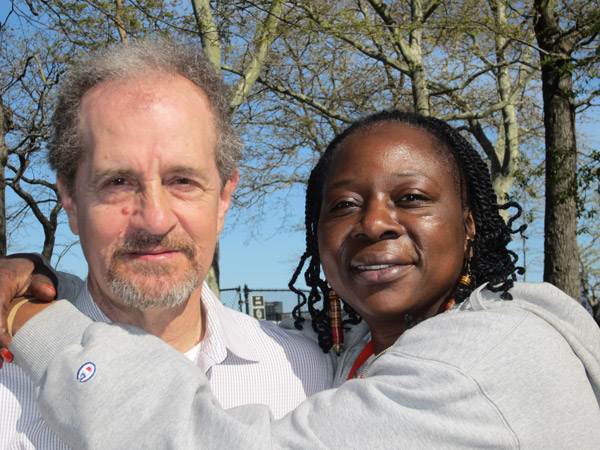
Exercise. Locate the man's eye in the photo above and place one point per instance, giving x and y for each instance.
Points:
(184, 182)
(117, 182)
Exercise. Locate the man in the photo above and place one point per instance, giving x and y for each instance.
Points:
(146, 159)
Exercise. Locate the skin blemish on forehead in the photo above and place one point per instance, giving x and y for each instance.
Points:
(126, 210)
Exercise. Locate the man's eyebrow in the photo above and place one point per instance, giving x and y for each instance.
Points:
(185, 170)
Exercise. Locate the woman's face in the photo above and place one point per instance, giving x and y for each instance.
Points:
(392, 230)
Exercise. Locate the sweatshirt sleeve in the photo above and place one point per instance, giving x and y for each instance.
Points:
(145, 394)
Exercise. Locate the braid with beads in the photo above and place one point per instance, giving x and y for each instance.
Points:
(492, 262)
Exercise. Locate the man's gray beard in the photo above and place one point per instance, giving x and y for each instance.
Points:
(140, 295)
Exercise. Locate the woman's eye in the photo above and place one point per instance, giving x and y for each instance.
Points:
(413, 198)
(344, 205)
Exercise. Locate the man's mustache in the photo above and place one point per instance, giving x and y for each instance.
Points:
(142, 242)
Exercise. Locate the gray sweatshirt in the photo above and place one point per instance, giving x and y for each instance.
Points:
(486, 374)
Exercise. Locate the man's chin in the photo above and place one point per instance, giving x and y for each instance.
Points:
(144, 291)
(141, 268)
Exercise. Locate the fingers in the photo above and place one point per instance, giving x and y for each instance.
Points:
(15, 275)
(42, 287)
(17, 278)
(4, 336)
(6, 355)
(20, 275)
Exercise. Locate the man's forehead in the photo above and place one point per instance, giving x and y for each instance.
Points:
(161, 117)
(142, 90)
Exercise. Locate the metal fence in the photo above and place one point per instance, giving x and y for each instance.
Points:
(275, 304)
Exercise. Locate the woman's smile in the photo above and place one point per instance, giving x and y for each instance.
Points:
(384, 273)
(374, 268)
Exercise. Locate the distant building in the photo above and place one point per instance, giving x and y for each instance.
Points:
(274, 311)
(271, 311)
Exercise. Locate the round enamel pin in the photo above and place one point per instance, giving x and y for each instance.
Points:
(86, 372)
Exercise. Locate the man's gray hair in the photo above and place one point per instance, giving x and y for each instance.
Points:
(66, 147)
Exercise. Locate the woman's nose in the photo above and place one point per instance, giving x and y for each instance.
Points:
(379, 221)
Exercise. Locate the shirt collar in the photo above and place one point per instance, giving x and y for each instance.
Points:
(86, 304)
(223, 333)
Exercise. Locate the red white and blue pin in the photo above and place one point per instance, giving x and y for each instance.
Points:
(86, 372)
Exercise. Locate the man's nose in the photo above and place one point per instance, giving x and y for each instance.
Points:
(379, 221)
(154, 213)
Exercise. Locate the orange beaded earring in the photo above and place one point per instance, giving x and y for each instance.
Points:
(465, 280)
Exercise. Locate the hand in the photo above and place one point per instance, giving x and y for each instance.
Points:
(21, 309)
(22, 275)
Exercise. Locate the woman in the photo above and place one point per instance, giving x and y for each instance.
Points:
(450, 351)
(340, 196)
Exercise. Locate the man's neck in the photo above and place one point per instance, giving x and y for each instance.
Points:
(180, 326)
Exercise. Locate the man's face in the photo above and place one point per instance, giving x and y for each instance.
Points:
(147, 201)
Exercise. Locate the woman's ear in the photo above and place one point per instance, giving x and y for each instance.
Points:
(470, 231)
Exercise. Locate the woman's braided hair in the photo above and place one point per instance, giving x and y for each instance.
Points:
(492, 261)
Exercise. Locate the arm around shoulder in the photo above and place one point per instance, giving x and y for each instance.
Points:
(173, 406)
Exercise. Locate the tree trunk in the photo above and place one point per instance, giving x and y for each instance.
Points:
(410, 50)
(48, 248)
(561, 266)
(561, 263)
(119, 20)
(507, 156)
(5, 127)
(209, 35)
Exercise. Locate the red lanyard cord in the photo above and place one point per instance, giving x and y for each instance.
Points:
(360, 360)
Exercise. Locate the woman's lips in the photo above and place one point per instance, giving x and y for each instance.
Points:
(375, 267)
(380, 272)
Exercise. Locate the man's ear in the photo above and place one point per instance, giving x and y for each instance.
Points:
(470, 232)
(68, 203)
(225, 201)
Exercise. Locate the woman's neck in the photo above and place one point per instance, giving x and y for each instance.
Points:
(382, 340)
(384, 334)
